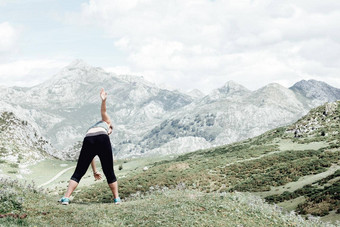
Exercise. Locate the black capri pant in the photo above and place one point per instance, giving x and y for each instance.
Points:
(95, 145)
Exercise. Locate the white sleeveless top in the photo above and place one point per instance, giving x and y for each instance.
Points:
(101, 127)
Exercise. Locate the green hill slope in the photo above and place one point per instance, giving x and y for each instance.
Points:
(295, 166)
(29, 207)
(307, 151)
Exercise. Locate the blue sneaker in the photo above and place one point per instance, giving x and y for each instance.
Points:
(117, 201)
(64, 201)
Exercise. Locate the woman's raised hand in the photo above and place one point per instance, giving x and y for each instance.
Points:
(103, 94)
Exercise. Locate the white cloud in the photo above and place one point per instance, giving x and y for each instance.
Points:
(8, 36)
(28, 73)
(5, 2)
(122, 43)
(202, 44)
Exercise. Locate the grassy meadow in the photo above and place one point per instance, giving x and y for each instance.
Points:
(31, 207)
(288, 176)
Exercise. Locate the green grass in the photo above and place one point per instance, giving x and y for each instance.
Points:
(287, 144)
(256, 175)
(160, 208)
(321, 197)
(46, 169)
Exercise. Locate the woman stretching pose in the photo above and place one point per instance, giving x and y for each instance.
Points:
(96, 142)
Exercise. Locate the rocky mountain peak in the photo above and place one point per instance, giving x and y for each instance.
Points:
(308, 85)
(232, 87)
(317, 90)
(79, 64)
(271, 90)
(78, 72)
(196, 93)
(276, 95)
(274, 86)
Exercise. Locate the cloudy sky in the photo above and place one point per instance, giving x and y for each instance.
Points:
(183, 44)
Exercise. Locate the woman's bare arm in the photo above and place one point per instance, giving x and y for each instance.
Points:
(96, 174)
(105, 116)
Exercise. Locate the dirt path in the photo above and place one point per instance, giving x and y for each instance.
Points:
(56, 176)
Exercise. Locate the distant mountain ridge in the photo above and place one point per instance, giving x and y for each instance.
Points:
(151, 120)
(234, 115)
(318, 91)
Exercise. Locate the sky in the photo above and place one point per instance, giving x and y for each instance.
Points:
(179, 44)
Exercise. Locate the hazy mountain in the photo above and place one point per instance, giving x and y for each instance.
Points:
(317, 91)
(152, 120)
(230, 90)
(226, 115)
(196, 94)
(69, 103)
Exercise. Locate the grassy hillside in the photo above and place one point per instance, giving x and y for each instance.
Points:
(264, 164)
(23, 205)
(295, 166)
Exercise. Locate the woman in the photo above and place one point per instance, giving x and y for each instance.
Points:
(96, 142)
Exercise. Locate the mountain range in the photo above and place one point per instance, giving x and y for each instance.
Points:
(149, 120)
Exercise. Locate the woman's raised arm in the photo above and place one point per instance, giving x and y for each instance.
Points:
(105, 116)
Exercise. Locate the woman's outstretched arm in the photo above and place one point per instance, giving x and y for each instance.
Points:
(105, 116)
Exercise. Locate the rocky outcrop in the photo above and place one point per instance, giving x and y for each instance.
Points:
(319, 122)
(20, 142)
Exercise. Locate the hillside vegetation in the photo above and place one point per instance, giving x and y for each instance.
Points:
(259, 165)
(23, 205)
(297, 164)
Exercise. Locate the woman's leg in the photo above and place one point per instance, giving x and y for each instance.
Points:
(114, 189)
(106, 160)
(71, 187)
(84, 160)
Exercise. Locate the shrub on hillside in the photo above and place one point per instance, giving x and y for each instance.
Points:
(12, 195)
(10, 201)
